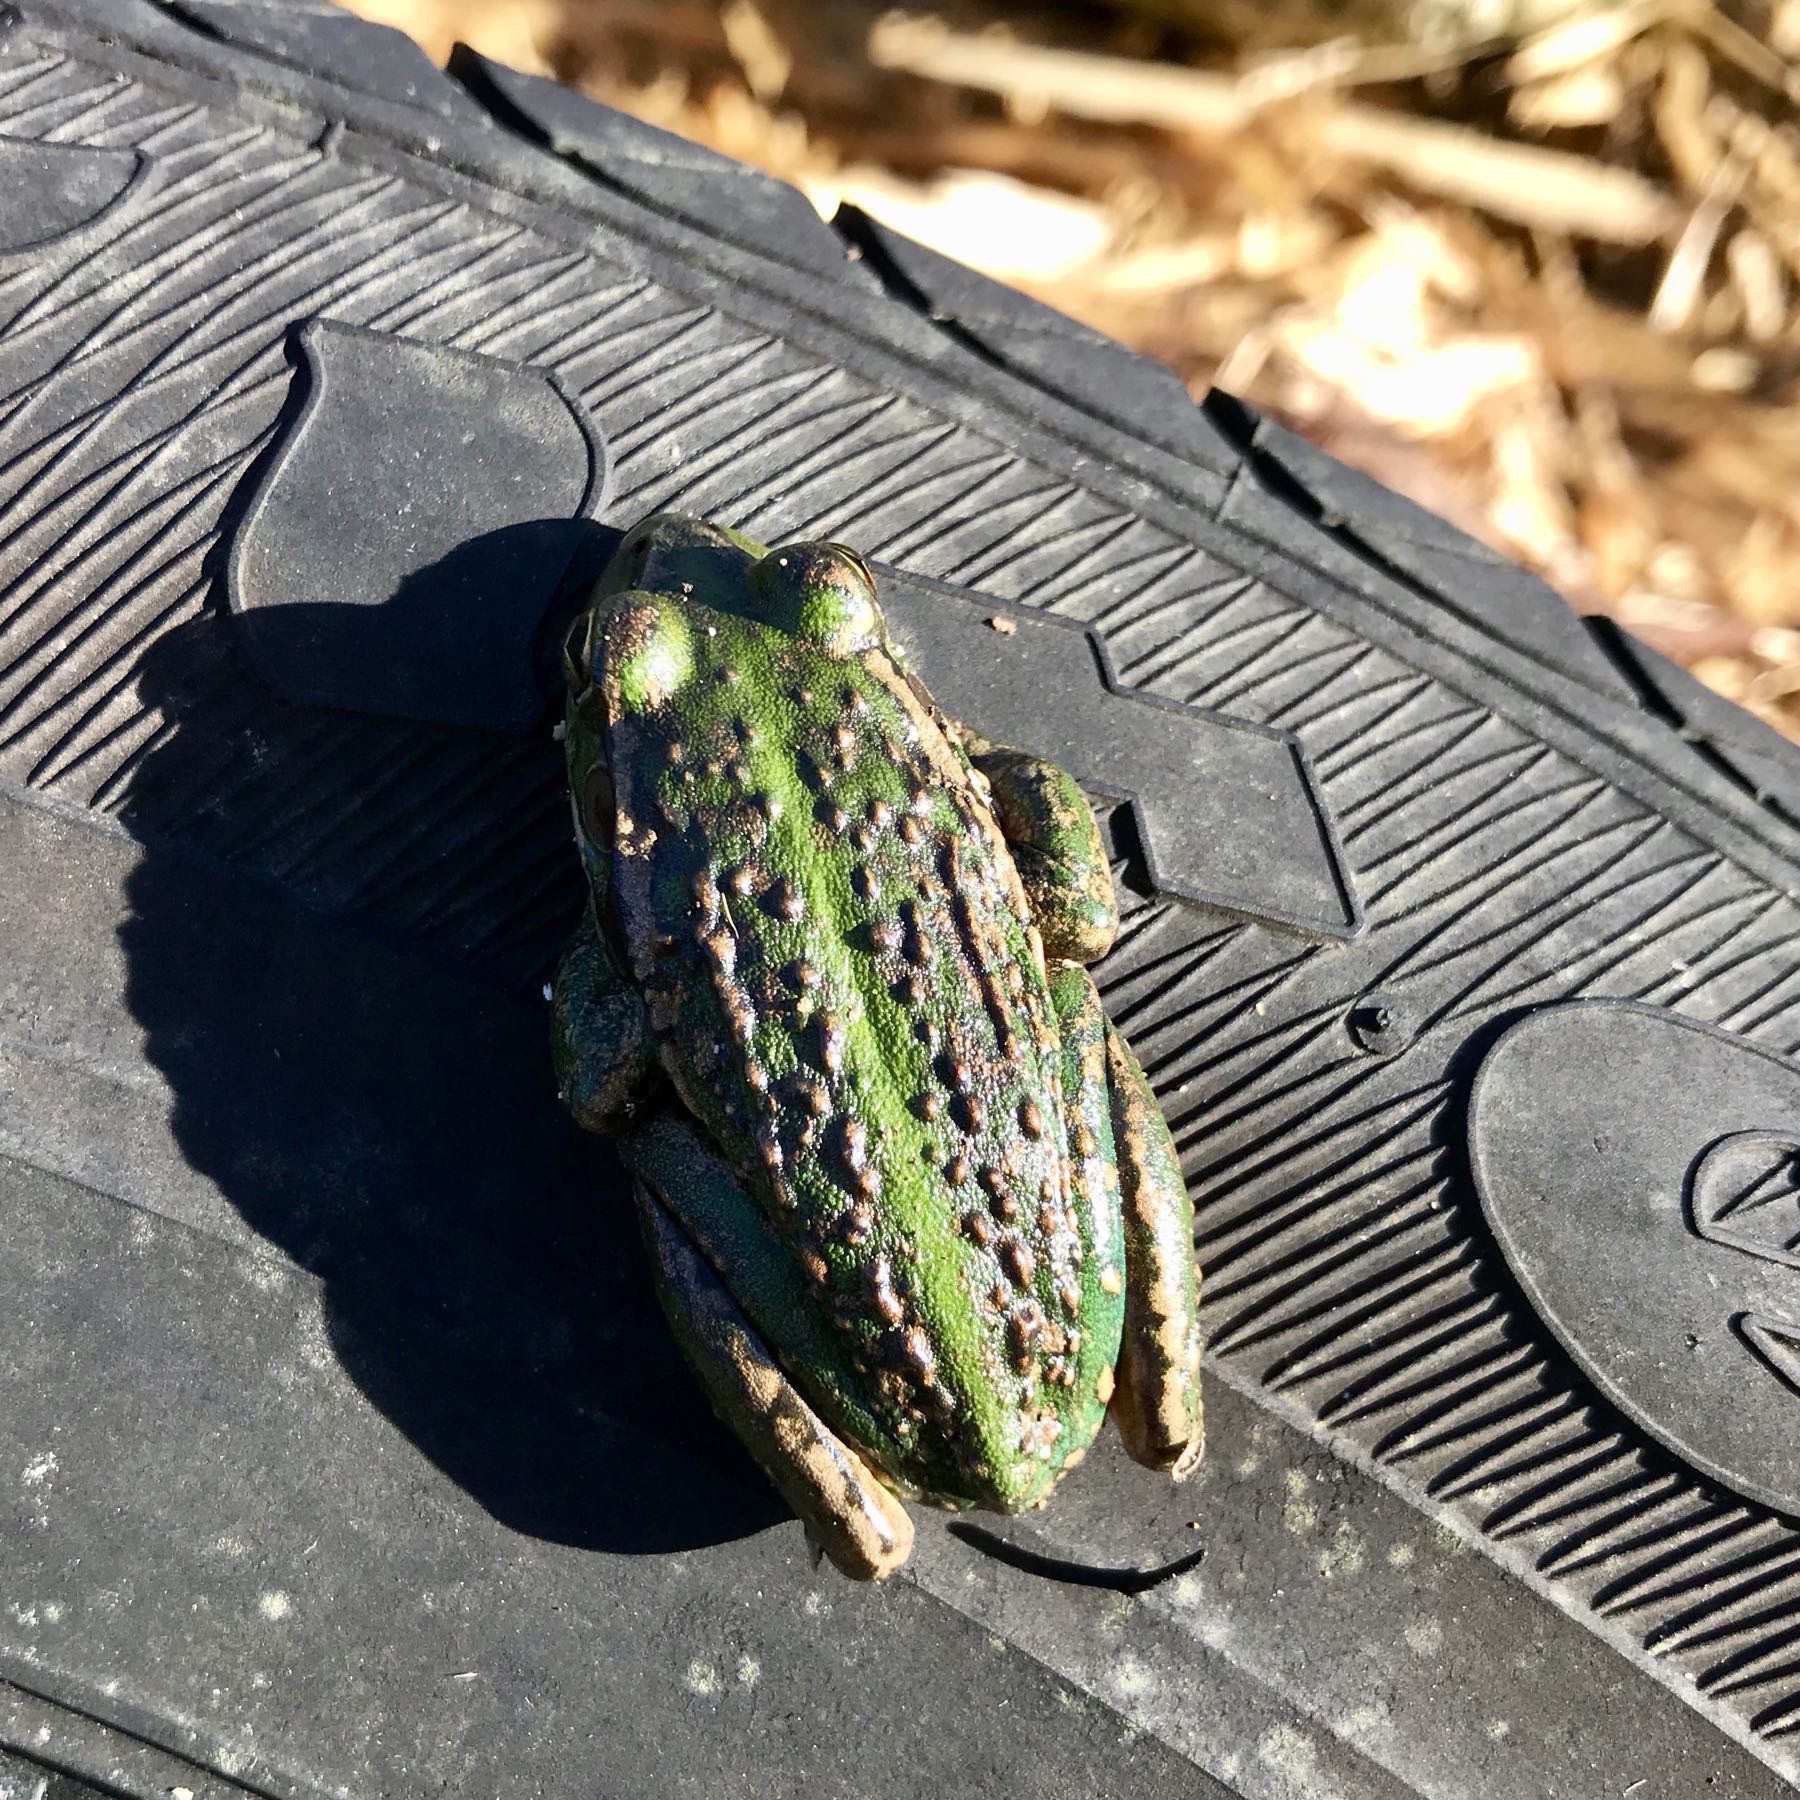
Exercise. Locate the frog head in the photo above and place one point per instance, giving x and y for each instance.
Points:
(673, 582)
(823, 593)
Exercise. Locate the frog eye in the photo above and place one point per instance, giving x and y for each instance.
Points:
(855, 561)
(823, 593)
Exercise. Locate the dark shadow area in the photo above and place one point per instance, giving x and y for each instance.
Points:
(1060, 1568)
(465, 641)
(338, 939)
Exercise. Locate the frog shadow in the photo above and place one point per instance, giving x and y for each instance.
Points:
(360, 1064)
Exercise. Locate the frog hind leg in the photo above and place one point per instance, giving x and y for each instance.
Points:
(1157, 1399)
(599, 1035)
(858, 1522)
(1093, 1203)
(1056, 847)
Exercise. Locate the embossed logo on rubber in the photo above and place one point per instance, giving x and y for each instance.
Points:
(410, 530)
(1747, 1195)
(1639, 1170)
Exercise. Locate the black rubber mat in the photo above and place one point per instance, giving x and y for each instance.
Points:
(345, 1451)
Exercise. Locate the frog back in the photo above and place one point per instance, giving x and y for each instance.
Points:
(847, 991)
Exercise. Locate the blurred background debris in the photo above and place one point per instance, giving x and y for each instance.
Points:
(1532, 262)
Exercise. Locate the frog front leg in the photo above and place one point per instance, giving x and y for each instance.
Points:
(1056, 847)
(600, 1040)
(717, 1262)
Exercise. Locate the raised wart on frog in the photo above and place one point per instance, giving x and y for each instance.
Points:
(913, 1211)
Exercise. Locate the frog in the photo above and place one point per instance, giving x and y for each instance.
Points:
(911, 1207)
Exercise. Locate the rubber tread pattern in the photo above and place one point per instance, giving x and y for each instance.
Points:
(667, 172)
(1348, 1277)
(1044, 346)
(1767, 763)
(321, 39)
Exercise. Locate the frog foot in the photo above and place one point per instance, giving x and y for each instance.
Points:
(860, 1525)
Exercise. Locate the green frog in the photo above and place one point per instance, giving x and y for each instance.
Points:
(912, 1209)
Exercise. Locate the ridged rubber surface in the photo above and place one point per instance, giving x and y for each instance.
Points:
(1529, 810)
